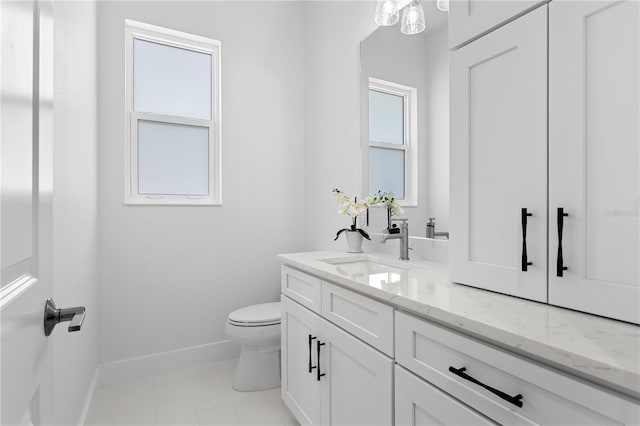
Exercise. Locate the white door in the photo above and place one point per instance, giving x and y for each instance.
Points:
(300, 388)
(418, 403)
(499, 159)
(356, 380)
(25, 218)
(594, 133)
(471, 18)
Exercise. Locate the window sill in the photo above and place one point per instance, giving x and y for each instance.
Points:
(171, 201)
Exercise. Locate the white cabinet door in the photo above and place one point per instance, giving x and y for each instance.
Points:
(499, 159)
(594, 157)
(300, 390)
(419, 403)
(357, 388)
(469, 19)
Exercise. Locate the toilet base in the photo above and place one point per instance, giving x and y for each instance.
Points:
(257, 370)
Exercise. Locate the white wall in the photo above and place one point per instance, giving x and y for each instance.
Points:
(332, 157)
(75, 280)
(169, 276)
(333, 149)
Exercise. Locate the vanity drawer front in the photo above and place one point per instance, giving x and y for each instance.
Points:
(303, 288)
(365, 318)
(548, 396)
(419, 403)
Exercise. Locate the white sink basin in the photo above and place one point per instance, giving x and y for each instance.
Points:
(373, 272)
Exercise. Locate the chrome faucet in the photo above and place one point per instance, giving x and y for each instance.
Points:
(403, 236)
(431, 230)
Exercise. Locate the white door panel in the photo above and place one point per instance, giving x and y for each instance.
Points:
(594, 156)
(25, 218)
(499, 158)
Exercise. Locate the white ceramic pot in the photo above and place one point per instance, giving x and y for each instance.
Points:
(354, 241)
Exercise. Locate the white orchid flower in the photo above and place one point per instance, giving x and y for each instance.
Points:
(356, 209)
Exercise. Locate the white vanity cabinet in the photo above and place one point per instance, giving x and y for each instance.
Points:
(471, 19)
(329, 376)
(499, 159)
(358, 361)
(501, 126)
(594, 167)
(498, 384)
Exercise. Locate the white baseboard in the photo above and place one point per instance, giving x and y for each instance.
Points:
(87, 401)
(149, 365)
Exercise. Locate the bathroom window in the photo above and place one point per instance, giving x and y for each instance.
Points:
(173, 117)
(392, 140)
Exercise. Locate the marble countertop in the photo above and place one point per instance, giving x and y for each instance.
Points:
(600, 350)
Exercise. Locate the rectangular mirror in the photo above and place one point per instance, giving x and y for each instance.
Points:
(404, 120)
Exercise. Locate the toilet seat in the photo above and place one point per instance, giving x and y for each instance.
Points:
(260, 315)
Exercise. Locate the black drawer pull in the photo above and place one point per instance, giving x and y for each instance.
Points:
(311, 367)
(318, 344)
(515, 400)
(525, 262)
(560, 268)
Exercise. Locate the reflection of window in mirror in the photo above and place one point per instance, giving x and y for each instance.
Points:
(393, 139)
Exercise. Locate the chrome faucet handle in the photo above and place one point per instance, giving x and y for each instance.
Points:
(404, 223)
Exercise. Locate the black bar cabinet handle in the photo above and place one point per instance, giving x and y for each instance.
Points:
(525, 262)
(560, 268)
(311, 367)
(515, 400)
(319, 374)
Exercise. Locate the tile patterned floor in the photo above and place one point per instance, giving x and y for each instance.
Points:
(197, 396)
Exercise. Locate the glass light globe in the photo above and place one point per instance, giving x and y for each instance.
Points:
(413, 19)
(387, 13)
(443, 5)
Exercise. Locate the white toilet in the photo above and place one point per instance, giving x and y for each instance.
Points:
(256, 329)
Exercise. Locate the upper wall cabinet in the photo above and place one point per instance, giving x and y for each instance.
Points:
(470, 19)
(499, 159)
(594, 133)
(499, 165)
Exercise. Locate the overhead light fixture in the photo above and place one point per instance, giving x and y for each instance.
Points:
(413, 19)
(443, 5)
(387, 13)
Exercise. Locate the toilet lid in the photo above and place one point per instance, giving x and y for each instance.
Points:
(262, 314)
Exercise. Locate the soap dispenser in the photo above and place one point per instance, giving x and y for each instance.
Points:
(431, 228)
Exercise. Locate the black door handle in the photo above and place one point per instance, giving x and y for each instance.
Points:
(318, 344)
(515, 400)
(54, 315)
(525, 261)
(311, 367)
(560, 268)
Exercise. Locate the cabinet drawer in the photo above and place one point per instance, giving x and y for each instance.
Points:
(419, 403)
(361, 316)
(303, 288)
(548, 396)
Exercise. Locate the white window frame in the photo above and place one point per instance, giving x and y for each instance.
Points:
(173, 38)
(410, 143)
